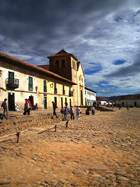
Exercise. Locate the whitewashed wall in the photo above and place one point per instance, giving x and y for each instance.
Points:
(129, 102)
(90, 97)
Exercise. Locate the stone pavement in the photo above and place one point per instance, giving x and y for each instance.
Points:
(100, 150)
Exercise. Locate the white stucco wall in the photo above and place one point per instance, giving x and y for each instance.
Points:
(129, 102)
(90, 97)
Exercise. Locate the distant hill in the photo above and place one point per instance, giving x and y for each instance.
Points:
(112, 98)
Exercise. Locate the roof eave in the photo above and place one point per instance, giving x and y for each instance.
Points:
(90, 89)
(29, 66)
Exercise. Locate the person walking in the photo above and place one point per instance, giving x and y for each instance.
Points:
(72, 113)
(26, 107)
(54, 108)
(36, 106)
(66, 104)
(5, 108)
(62, 110)
(87, 111)
(93, 110)
(29, 106)
(78, 112)
(65, 113)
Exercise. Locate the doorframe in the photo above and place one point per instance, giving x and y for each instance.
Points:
(45, 102)
(61, 102)
(11, 93)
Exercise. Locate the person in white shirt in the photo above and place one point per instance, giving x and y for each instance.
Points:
(78, 112)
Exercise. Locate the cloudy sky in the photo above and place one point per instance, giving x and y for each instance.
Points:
(103, 34)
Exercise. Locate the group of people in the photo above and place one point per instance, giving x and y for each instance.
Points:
(65, 111)
(27, 107)
(92, 110)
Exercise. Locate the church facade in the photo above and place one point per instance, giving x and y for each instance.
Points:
(61, 81)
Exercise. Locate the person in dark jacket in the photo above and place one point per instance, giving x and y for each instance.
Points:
(72, 113)
(5, 108)
(54, 108)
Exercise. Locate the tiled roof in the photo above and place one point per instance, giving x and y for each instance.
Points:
(101, 99)
(14, 61)
(47, 67)
(63, 53)
(90, 90)
(129, 97)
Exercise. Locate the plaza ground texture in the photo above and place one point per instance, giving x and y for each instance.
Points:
(99, 150)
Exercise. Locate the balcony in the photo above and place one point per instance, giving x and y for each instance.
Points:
(70, 93)
(55, 90)
(12, 83)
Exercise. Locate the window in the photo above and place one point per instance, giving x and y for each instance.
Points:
(65, 100)
(70, 92)
(63, 63)
(11, 77)
(55, 88)
(45, 86)
(30, 84)
(63, 91)
(57, 64)
(70, 102)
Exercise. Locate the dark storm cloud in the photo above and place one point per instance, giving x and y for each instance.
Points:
(40, 25)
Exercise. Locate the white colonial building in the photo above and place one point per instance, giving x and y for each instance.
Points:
(129, 100)
(90, 96)
(62, 81)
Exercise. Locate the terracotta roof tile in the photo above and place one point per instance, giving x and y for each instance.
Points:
(31, 67)
(63, 53)
(101, 99)
(90, 90)
(47, 67)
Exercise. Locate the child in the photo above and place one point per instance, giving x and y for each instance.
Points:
(78, 112)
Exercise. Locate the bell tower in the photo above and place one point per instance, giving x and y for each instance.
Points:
(64, 64)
